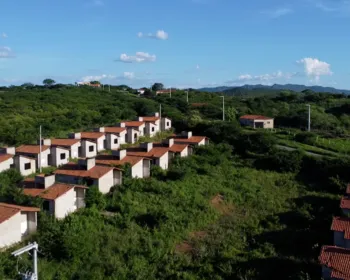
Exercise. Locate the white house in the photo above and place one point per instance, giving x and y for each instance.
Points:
(25, 165)
(87, 172)
(115, 136)
(132, 134)
(165, 124)
(6, 158)
(136, 125)
(158, 155)
(186, 137)
(180, 150)
(335, 263)
(256, 121)
(16, 222)
(140, 167)
(59, 199)
(152, 124)
(96, 137)
(72, 145)
(33, 151)
(341, 228)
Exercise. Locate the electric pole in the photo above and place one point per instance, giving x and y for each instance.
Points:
(109, 88)
(187, 95)
(40, 148)
(309, 118)
(29, 275)
(223, 108)
(170, 92)
(160, 111)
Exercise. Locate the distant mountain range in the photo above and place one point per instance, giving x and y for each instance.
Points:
(296, 88)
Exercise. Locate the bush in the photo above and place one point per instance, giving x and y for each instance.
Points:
(94, 198)
(306, 138)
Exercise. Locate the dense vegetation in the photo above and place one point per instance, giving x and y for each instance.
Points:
(237, 209)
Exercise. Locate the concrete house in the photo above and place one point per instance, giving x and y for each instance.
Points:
(341, 229)
(25, 165)
(175, 150)
(256, 121)
(140, 167)
(135, 130)
(87, 172)
(87, 149)
(72, 145)
(96, 137)
(115, 136)
(158, 155)
(33, 151)
(165, 124)
(16, 222)
(335, 263)
(345, 205)
(6, 158)
(186, 137)
(59, 199)
(152, 124)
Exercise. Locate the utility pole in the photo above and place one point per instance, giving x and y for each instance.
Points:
(170, 92)
(187, 95)
(29, 275)
(223, 107)
(109, 88)
(309, 118)
(40, 143)
(160, 111)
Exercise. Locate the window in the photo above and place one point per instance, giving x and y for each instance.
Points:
(152, 129)
(46, 205)
(91, 148)
(63, 156)
(27, 166)
(167, 123)
(135, 137)
(154, 162)
(268, 122)
(116, 141)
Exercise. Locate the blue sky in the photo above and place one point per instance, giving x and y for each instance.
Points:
(182, 43)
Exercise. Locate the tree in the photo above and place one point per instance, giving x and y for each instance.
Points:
(149, 93)
(157, 86)
(27, 85)
(49, 82)
(95, 83)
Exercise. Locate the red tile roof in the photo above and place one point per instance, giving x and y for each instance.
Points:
(343, 225)
(191, 140)
(345, 203)
(73, 169)
(254, 117)
(115, 129)
(175, 148)
(31, 149)
(133, 123)
(114, 161)
(199, 104)
(92, 135)
(5, 157)
(338, 260)
(150, 119)
(52, 192)
(64, 142)
(9, 210)
(156, 152)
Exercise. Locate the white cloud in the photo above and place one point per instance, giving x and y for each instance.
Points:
(160, 34)
(315, 68)
(263, 78)
(6, 52)
(138, 57)
(97, 78)
(4, 35)
(341, 7)
(279, 12)
(129, 75)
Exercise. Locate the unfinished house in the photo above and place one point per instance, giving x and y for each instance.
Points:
(86, 172)
(341, 228)
(72, 145)
(25, 165)
(16, 223)
(345, 205)
(158, 155)
(135, 130)
(175, 150)
(140, 166)
(33, 151)
(115, 136)
(186, 137)
(95, 137)
(6, 158)
(152, 124)
(87, 149)
(335, 263)
(59, 199)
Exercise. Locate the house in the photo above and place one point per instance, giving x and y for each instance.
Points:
(58, 155)
(152, 124)
(6, 158)
(96, 137)
(115, 136)
(175, 150)
(33, 151)
(164, 91)
(345, 205)
(59, 199)
(256, 121)
(158, 155)
(16, 222)
(165, 124)
(25, 165)
(140, 166)
(335, 263)
(141, 91)
(186, 137)
(135, 129)
(341, 229)
(72, 145)
(87, 149)
(87, 172)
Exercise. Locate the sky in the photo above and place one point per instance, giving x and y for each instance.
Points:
(180, 43)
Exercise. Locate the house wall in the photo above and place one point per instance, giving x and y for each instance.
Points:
(74, 150)
(106, 182)
(202, 143)
(165, 124)
(141, 129)
(265, 123)
(340, 241)
(44, 158)
(56, 156)
(163, 161)
(85, 153)
(101, 144)
(146, 168)
(131, 135)
(80, 197)
(32, 221)
(326, 272)
(6, 164)
(10, 231)
(110, 138)
(20, 163)
(68, 179)
(137, 170)
(184, 153)
(149, 127)
(65, 204)
(122, 137)
(246, 122)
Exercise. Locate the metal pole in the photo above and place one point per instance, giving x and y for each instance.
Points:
(35, 261)
(160, 111)
(40, 150)
(309, 118)
(223, 108)
(109, 88)
(170, 92)
(187, 95)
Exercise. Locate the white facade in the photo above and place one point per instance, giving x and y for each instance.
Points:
(113, 141)
(6, 164)
(88, 149)
(165, 124)
(257, 123)
(74, 150)
(101, 143)
(110, 179)
(137, 170)
(67, 203)
(59, 156)
(44, 158)
(163, 161)
(132, 135)
(25, 165)
(151, 129)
